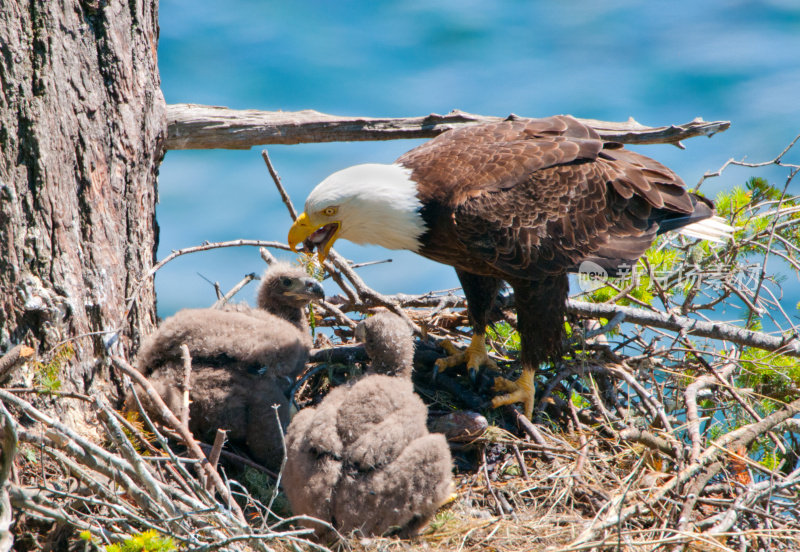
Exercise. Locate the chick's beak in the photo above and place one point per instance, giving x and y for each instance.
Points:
(313, 289)
(300, 230)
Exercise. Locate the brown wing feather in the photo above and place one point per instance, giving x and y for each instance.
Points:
(467, 162)
(539, 227)
(529, 198)
(634, 174)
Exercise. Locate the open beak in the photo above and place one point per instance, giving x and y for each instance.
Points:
(300, 230)
(322, 236)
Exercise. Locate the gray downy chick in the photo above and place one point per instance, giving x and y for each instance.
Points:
(243, 361)
(363, 458)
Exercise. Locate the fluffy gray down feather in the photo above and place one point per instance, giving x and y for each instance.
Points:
(363, 458)
(244, 360)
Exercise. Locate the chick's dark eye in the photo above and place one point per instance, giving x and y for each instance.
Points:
(286, 282)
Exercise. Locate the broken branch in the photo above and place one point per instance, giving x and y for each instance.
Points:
(192, 126)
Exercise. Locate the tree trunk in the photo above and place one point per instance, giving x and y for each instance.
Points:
(82, 124)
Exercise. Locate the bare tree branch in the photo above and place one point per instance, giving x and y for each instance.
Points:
(192, 126)
(13, 358)
(7, 454)
(690, 398)
(235, 289)
(281, 190)
(777, 160)
(194, 249)
(618, 313)
(714, 330)
(216, 451)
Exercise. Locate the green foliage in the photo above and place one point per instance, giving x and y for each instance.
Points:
(760, 190)
(149, 541)
(715, 431)
(639, 291)
(314, 269)
(662, 259)
(730, 204)
(688, 274)
(48, 375)
(442, 518)
(29, 454)
(767, 453)
(638, 282)
(579, 401)
(758, 209)
(765, 219)
(262, 487)
(135, 420)
(505, 334)
(705, 403)
(312, 266)
(642, 291)
(312, 320)
(755, 324)
(603, 294)
(771, 375)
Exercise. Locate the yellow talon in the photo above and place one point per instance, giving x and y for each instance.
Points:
(521, 391)
(474, 356)
(449, 348)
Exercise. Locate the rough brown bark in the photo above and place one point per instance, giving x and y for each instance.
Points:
(82, 123)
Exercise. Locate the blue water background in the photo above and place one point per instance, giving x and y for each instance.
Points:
(659, 62)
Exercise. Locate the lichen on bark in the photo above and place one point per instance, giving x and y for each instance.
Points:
(82, 123)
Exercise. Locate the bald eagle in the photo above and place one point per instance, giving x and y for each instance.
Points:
(523, 201)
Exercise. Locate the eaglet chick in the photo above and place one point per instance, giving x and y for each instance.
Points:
(243, 361)
(363, 458)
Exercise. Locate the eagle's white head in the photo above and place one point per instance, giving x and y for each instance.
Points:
(375, 204)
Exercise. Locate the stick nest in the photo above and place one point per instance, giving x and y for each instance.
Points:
(642, 439)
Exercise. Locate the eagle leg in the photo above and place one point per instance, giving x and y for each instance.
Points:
(474, 356)
(520, 391)
(540, 322)
(480, 292)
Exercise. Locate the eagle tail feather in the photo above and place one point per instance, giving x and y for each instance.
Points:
(713, 229)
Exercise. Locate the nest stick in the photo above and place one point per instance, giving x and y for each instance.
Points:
(521, 462)
(16, 356)
(9, 451)
(235, 289)
(151, 485)
(187, 383)
(167, 415)
(216, 450)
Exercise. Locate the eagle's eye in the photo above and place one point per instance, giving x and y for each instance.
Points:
(329, 211)
(287, 282)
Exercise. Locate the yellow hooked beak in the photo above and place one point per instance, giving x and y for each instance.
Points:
(303, 228)
(300, 230)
